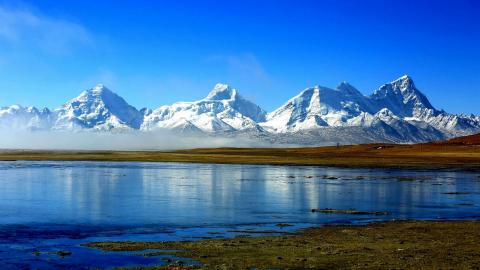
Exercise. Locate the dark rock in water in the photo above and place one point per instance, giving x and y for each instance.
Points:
(62, 253)
(215, 233)
(348, 212)
(283, 225)
(406, 178)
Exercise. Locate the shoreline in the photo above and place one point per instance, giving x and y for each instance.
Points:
(433, 156)
(391, 244)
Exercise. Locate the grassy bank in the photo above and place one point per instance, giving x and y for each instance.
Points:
(392, 245)
(420, 156)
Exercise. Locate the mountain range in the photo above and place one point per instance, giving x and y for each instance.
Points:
(395, 112)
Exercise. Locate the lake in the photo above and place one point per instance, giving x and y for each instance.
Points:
(47, 207)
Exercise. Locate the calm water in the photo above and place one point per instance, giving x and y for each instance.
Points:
(51, 206)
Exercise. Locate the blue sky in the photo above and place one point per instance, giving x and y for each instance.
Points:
(158, 52)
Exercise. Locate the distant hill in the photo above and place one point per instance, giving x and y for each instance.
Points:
(470, 140)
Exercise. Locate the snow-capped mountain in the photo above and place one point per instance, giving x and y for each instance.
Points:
(405, 100)
(21, 118)
(451, 125)
(396, 112)
(402, 98)
(99, 109)
(319, 107)
(222, 110)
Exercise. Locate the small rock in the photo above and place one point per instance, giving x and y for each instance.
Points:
(282, 225)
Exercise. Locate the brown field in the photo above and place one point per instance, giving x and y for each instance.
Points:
(467, 140)
(386, 245)
(460, 153)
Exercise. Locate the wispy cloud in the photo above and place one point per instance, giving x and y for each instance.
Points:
(243, 66)
(245, 72)
(104, 76)
(25, 28)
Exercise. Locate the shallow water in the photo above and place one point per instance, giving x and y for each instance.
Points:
(52, 206)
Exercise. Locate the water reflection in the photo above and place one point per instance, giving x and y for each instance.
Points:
(132, 194)
(50, 206)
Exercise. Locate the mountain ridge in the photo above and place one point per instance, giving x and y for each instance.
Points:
(395, 112)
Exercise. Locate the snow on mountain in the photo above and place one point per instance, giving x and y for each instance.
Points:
(319, 107)
(223, 110)
(451, 125)
(396, 112)
(25, 118)
(98, 109)
(402, 98)
(407, 130)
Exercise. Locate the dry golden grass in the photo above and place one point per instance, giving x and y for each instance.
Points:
(449, 155)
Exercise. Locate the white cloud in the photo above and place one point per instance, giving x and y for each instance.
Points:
(25, 28)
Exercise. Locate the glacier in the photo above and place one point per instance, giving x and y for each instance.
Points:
(396, 112)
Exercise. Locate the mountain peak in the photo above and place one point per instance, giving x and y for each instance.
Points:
(348, 88)
(99, 86)
(344, 84)
(307, 92)
(222, 110)
(15, 107)
(403, 83)
(221, 92)
(402, 97)
(99, 107)
(404, 77)
(99, 89)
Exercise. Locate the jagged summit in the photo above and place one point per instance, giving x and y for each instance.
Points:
(402, 97)
(230, 98)
(98, 108)
(344, 84)
(348, 89)
(405, 77)
(98, 94)
(404, 83)
(222, 110)
(221, 92)
(99, 88)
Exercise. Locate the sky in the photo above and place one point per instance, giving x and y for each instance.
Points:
(154, 53)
